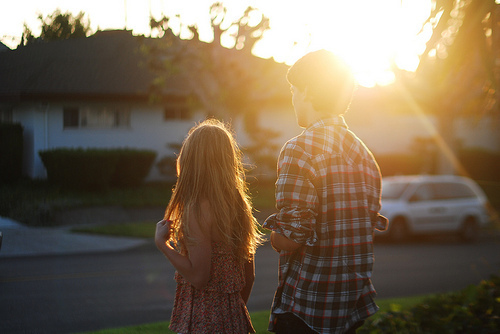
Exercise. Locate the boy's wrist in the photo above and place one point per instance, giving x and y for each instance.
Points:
(273, 245)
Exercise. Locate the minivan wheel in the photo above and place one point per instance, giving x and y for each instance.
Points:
(470, 230)
(398, 231)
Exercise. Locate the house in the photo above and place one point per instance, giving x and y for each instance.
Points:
(94, 92)
(389, 121)
(3, 47)
(97, 92)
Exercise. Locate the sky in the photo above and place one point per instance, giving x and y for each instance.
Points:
(369, 34)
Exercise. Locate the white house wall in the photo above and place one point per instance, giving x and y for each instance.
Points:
(382, 134)
(43, 130)
(479, 133)
(385, 133)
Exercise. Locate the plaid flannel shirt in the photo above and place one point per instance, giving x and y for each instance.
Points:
(328, 197)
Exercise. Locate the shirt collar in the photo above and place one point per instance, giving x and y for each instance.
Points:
(330, 121)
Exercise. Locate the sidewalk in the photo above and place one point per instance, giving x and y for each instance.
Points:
(20, 240)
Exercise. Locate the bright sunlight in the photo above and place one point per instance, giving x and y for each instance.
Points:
(372, 36)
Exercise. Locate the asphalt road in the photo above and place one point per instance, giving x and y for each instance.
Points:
(69, 294)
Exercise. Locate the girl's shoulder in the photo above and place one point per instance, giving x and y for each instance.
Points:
(208, 217)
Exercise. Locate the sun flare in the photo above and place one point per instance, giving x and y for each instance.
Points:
(372, 36)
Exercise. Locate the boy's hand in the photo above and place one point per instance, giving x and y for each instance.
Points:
(280, 242)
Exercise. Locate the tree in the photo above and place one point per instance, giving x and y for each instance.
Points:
(57, 26)
(224, 82)
(457, 75)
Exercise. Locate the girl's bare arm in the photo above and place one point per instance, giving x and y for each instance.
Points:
(195, 266)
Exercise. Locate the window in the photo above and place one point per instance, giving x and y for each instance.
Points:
(423, 193)
(177, 111)
(70, 118)
(393, 190)
(451, 190)
(92, 117)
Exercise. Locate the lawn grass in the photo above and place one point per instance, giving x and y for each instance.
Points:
(260, 319)
(33, 202)
(135, 229)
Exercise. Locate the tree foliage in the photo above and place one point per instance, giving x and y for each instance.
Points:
(57, 26)
(219, 78)
(225, 82)
(457, 75)
(459, 60)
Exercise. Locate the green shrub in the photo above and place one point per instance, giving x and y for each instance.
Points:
(133, 167)
(11, 153)
(475, 309)
(96, 169)
(80, 169)
(400, 322)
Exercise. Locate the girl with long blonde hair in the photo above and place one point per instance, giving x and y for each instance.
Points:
(210, 235)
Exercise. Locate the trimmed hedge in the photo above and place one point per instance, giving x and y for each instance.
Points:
(11, 153)
(89, 169)
(133, 167)
(96, 169)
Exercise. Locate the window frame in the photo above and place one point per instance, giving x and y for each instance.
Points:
(96, 117)
(179, 111)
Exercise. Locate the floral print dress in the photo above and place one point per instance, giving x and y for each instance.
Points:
(218, 308)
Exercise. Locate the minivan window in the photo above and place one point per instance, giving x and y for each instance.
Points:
(393, 190)
(424, 192)
(452, 190)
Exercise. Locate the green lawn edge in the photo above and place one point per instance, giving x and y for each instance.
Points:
(260, 318)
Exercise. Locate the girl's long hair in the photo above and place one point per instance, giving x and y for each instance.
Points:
(210, 168)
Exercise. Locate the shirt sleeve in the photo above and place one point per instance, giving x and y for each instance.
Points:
(296, 197)
(378, 221)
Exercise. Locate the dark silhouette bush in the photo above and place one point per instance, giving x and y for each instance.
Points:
(96, 169)
(11, 153)
(475, 309)
(79, 169)
(132, 168)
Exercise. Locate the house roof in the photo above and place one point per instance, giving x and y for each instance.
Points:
(111, 65)
(3, 47)
(106, 65)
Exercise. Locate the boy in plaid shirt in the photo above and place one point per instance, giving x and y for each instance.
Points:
(328, 197)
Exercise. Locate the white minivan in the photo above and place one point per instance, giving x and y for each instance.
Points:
(429, 204)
